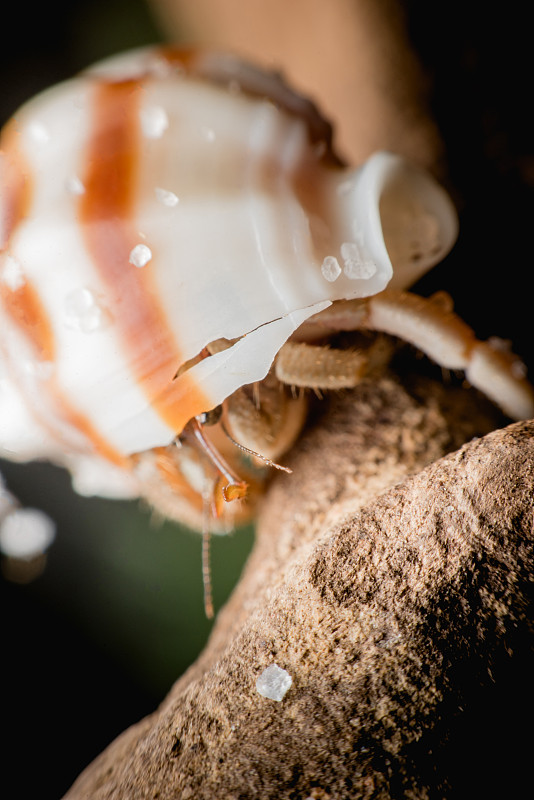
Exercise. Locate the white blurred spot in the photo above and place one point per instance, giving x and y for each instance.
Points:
(195, 475)
(330, 269)
(207, 133)
(83, 313)
(154, 121)
(74, 185)
(518, 369)
(161, 68)
(26, 533)
(140, 255)
(345, 187)
(42, 370)
(93, 476)
(274, 682)
(165, 197)
(501, 345)
(38, 132)
(12, 274)
(357, 265)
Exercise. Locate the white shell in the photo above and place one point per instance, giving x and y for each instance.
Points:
(156, 204)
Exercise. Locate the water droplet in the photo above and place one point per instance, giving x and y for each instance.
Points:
(159, 67)
(74, 185)
(38, 132)
(83, 312)
(154, 121)
(357, 264)
(274, 682)
(330, 268)
(140, 255)
(42, 370)
(166, 198)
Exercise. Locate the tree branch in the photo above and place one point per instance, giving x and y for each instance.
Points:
(395, 594)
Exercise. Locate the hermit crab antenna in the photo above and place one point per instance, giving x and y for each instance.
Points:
(250, 452)
(206, 572)
(228, 487)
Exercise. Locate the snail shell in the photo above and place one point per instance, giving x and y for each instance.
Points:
(157, 203)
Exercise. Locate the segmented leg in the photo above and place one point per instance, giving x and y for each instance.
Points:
(432, 326)
(316, 367)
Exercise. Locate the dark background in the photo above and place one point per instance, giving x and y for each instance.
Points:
(117, 614)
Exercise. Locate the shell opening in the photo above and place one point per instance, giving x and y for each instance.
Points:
(392, 221)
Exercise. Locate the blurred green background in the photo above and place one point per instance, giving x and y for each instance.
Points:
(95, 642)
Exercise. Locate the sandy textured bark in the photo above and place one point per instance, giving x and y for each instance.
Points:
(396, 596)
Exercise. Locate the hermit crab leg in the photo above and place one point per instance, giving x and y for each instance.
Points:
(431, 326)
(229, 485)
(328, 368)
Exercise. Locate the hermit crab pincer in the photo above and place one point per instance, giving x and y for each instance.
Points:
(174, 226)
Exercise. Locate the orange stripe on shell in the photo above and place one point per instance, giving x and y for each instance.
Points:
(107, 213)
(25, 309)
(16, 184)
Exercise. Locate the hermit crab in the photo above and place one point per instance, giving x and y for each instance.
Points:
(178, 239)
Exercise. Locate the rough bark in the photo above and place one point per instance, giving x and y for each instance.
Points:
(393, 583)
